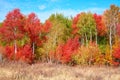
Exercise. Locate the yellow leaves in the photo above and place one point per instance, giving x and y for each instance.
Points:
(87, 54)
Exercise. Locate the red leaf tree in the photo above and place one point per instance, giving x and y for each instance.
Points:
(33, 28)
(74, 25)
(11, 28)
(100, 26)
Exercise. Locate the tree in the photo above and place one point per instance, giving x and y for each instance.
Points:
(85, 27)
(36, 30)
(59, 33)
(33, 28)
(111, 20)
(11, 28)
(74, 24)
(100, 26)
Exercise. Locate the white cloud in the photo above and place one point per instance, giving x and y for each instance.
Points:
(42, 7)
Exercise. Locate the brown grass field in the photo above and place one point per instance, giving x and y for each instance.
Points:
(49, 71)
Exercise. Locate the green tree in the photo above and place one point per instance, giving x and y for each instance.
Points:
(59, 33)
(87, 27)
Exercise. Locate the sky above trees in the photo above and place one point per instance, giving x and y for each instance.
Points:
(44, 8)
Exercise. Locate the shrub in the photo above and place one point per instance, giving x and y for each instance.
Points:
(87, 54)
(116, 55)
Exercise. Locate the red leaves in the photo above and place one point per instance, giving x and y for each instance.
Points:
(101, 29)
(10, 29)
(33, 27)
(47, 26)
(65, 51)
(9, 52)
(24, 53)
(13, 19)
(118, 29)
(74, 25)
(116, 53)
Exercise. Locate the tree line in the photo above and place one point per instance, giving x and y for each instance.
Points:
(86, 39)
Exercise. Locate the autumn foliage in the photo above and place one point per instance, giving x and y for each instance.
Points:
(24, 54)
(74, 25)
(101, 29)
(33, 27)
(87, 55)
(116, 55)
(65, 51)
(86, 39)
(12, 26)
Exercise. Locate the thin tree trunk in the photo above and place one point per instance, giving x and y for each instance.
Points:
(82, 40)
(15, 45)
(86, 38)
(96, 36)
(90, 35)
(110, 40)
(33, 47)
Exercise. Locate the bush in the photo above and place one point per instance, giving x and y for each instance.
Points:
(87, 55)
(116, 55)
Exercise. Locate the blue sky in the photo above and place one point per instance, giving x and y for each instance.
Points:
(44, 8)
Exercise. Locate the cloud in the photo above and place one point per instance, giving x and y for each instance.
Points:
(42, 7)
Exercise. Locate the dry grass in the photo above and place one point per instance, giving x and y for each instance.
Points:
(47, 71)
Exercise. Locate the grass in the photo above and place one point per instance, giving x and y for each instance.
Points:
(49, 71)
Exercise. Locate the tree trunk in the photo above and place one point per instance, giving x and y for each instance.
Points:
(86, 38)
(15, 45)
(33, 47)
(90, 35)
(96, 36)
(82, 40)
(110, 39)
